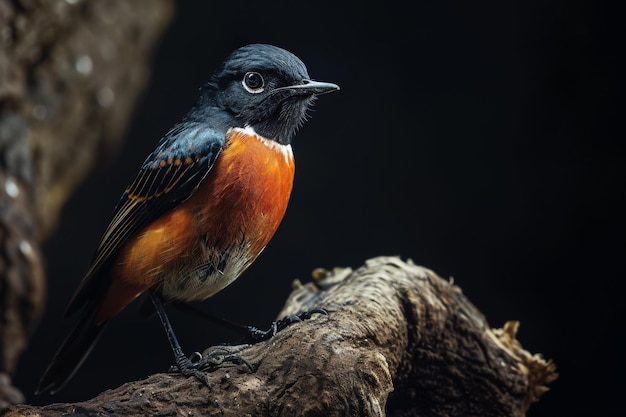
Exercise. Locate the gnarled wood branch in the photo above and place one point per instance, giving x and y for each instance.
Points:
(398, 341)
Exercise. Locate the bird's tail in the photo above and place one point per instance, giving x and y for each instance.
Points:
(70, 355)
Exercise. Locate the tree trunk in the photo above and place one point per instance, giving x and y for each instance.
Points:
(398, 341)
(70, 75)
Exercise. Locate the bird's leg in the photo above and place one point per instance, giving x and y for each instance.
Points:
(251, 334)
(183, 363)
(235, 327)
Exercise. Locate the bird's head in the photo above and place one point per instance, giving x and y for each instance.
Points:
(266, 88)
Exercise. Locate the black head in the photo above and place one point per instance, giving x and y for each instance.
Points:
(266, 88)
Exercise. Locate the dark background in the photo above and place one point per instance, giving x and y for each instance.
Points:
(479, 140)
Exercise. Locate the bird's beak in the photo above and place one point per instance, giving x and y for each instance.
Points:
(310, 87)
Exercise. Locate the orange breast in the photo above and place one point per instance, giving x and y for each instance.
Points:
(247, 192)
(205, 243)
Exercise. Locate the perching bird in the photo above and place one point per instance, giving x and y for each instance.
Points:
(204, 204)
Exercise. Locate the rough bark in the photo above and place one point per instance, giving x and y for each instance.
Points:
(70, 74)
(398, 341)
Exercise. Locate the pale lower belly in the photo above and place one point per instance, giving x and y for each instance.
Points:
(211, 274)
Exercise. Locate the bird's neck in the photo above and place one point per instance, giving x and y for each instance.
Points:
(208, 112)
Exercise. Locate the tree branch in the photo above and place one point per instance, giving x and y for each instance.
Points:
(398, 341)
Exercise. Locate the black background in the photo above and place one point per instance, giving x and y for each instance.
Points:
(479, 140)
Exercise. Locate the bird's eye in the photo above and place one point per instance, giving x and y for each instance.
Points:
(253, 82)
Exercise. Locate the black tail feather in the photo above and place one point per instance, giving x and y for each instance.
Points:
(70, 355)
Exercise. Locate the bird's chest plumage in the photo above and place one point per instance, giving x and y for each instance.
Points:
(233, 215)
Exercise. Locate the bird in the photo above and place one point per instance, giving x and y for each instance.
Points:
(203, 205)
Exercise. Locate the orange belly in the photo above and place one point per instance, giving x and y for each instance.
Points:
(204, 244)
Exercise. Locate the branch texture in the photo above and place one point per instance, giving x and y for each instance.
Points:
(398, 341)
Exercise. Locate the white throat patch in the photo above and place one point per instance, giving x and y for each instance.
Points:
(284, 150)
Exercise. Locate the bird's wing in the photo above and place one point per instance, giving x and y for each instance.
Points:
(169, 176)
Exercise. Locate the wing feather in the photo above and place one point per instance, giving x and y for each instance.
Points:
(169, 176)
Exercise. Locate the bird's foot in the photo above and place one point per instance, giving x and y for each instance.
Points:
(188, 366)
(197, 362)
(217, 356)
(256, 335)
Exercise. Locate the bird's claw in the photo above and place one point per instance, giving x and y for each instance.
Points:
(218, 356)
(189, 367)
(195, 357)
(256, 335)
